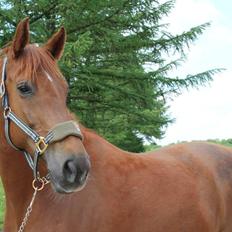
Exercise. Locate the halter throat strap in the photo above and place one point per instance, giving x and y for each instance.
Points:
(59, 132)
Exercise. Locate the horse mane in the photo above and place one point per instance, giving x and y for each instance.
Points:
(32, 60)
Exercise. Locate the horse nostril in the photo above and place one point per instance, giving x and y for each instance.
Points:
(84, 176)
(76, 170)
(70, 171)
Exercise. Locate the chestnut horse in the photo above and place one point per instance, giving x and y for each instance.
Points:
(180, 188)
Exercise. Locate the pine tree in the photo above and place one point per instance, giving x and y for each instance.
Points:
(115, 61)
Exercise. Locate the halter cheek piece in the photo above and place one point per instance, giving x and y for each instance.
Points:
(57, 133)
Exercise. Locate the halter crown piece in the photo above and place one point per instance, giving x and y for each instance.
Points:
(57, 133)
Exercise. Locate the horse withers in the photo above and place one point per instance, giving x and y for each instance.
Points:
(180, 188)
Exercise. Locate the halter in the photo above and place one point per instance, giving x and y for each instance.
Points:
(57, 133)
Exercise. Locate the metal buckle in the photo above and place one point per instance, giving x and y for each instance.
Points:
(6, 112)
(41, 145)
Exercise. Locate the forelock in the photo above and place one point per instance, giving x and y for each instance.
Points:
(33, 59)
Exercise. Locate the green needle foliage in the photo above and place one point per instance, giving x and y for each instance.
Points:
(109, 45)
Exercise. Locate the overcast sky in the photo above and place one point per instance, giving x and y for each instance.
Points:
(205, 113)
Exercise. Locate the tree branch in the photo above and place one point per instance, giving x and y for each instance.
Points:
(46, 12)
(8, 19)
(98, 22)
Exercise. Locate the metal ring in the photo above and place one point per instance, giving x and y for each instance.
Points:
(6, 112)
(38, 184)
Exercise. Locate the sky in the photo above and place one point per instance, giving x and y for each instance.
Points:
(205, 113)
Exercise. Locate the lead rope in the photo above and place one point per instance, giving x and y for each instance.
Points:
(38, 185)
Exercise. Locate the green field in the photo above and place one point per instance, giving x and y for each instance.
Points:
(2, 205)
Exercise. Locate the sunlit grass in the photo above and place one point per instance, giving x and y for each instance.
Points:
(2, 205)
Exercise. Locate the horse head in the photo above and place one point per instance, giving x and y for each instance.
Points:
(37, 92)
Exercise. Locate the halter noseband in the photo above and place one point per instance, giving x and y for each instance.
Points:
(57, 133)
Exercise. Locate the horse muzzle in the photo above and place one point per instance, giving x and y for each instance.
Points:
(68, 173)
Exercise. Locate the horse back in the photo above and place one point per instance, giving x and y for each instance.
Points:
(202, 173)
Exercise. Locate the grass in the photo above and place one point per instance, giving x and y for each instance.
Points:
(225, 142)
(2, 205)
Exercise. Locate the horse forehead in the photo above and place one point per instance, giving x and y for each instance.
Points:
(55, 79)
(38, 76)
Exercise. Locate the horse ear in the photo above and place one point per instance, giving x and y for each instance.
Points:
(55, 45)
(21, 37)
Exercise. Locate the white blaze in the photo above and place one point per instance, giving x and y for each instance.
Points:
(48, 76)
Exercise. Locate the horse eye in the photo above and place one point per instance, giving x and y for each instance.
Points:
(24, 89)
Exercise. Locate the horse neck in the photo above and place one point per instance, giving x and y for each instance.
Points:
(15, 174)
(100, 150)
(107, 161)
